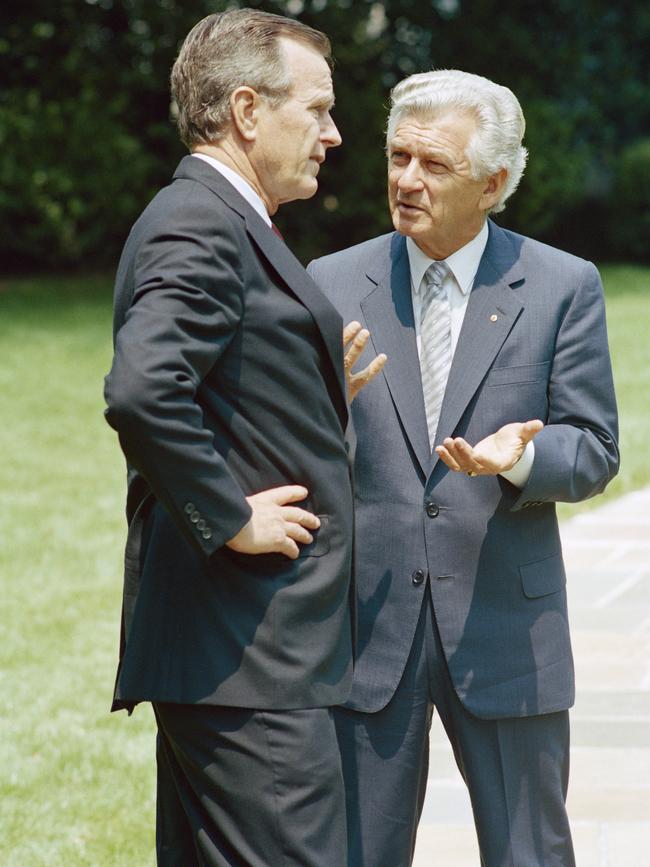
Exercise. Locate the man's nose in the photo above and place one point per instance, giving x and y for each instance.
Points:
(410, 178)
(330, 136)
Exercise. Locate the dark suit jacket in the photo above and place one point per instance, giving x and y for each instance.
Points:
(227, 379)
(533, 345)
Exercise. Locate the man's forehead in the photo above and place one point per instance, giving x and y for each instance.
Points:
(317, 89)
(452, 128)
(309, 69)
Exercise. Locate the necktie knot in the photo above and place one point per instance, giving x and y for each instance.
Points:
(433, 280)
(435, 273)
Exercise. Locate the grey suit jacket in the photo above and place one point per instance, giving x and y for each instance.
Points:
(533, 345)
(227, 380)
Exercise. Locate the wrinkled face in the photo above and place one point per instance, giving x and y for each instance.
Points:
(431, 193)
(293, 137)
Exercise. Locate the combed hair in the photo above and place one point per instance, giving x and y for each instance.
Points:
(500, 121)
(229, 50)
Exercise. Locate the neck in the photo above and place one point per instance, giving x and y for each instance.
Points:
(443, 248)
(236, 158)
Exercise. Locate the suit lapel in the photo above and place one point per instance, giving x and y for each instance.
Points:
(388, 312)
(492, 310)
(284, 263)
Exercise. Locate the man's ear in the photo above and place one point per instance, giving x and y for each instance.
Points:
(493, 189)
(244, 107)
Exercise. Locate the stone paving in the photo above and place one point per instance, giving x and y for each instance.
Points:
(607, 553)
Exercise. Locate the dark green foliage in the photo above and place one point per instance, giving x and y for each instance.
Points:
(85, 135)
(631, 204)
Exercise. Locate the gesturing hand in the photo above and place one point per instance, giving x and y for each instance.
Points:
(495, 454)
(275, 526)
(355, 339)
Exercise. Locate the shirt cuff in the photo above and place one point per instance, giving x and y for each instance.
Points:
(520, 473)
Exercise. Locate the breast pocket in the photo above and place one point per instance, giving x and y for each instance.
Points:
(518, 374)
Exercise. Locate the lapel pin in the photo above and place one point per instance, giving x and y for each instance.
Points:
(493, 318)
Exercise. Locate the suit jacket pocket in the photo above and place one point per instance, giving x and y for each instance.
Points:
(543, 577)
(519, 373)
(278, 562)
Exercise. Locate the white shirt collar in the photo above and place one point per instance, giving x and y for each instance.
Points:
(242, 186)
(463, 264)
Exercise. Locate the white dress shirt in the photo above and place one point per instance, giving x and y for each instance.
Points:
(462, 268)
(242, 186)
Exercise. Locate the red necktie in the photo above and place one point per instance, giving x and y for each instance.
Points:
(277, 231)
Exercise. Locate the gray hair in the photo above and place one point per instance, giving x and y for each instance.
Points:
(500, 123)
(230, 50)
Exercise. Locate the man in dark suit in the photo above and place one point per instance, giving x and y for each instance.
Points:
(227, 391)
(461, 586)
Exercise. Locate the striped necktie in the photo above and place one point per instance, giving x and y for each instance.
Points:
(435, 343)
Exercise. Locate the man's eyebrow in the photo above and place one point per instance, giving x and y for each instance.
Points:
(325, 102)
(425, 152)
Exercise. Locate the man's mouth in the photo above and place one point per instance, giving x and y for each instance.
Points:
(407, 206)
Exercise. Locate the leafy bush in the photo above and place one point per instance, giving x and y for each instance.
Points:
(630, 211)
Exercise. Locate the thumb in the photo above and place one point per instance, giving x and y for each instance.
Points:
(530, 429)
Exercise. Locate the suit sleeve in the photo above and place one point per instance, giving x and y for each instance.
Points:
(186, 307)
(576, 454)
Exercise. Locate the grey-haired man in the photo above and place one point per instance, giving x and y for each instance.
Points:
(493, 340)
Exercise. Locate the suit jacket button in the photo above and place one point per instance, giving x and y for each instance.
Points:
(201, 525)
(417, 577)
(188, 508)
(194, 517)
(432, 510)
(207, 533)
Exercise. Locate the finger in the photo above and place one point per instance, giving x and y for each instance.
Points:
(350, 331)
(446, 458)
(356, 348)
(300, 516)
(284, 494)
(463, 456)
(452, 447)
(298, 533)
(464, 453)
(289, 548)
(370, 372)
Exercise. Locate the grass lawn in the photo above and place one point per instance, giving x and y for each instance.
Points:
(76, 783)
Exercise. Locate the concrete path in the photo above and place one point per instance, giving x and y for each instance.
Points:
(607, 553)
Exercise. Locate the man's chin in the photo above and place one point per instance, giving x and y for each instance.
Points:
(305, 190)
(309, 187)
(405, 224)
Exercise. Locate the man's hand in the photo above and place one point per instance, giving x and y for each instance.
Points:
(275, 526)
(354, 342)
(495, 454)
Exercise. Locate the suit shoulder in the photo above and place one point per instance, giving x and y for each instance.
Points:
(185, 203)
(544, 257)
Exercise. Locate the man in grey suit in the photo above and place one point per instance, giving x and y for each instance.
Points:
(496, 402)
(227, 390)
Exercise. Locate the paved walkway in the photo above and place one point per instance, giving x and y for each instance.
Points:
(607, 553)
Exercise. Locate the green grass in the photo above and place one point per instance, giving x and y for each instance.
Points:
(77, 783)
